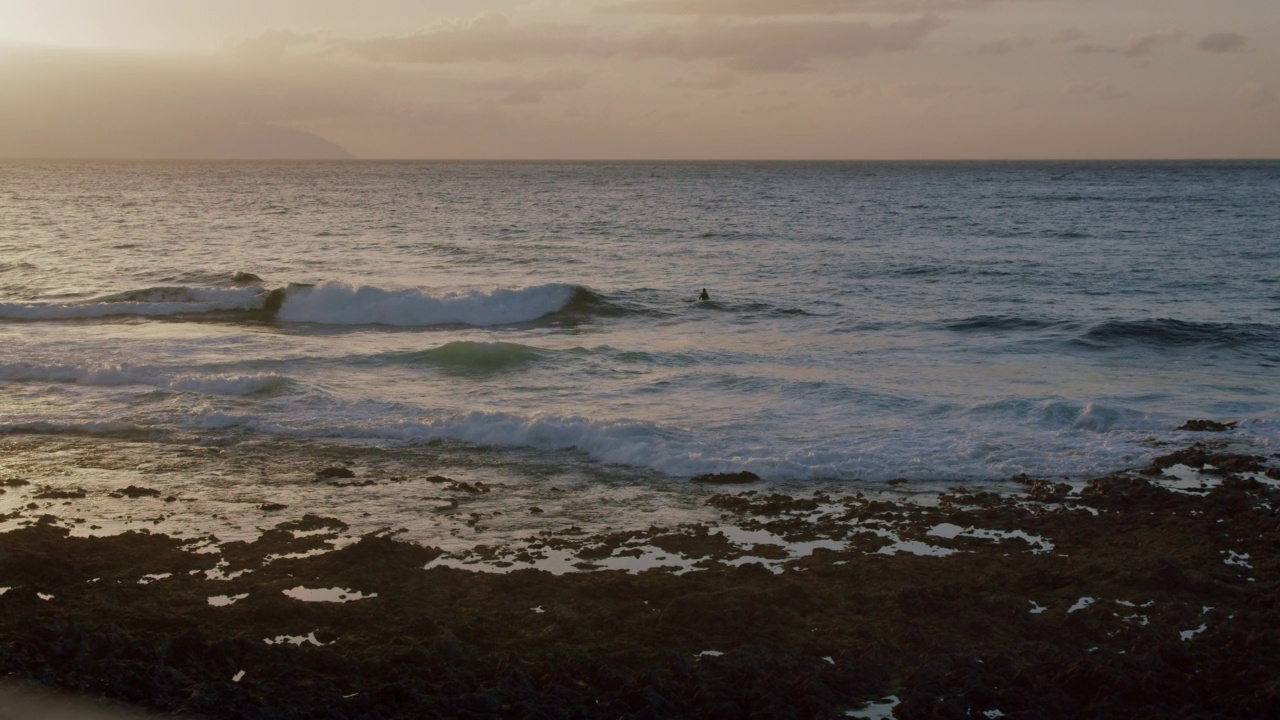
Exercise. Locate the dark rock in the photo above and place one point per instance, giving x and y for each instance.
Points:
(335, 471)
(1207, 426)
(311, 522)
(271, 507)
(55, 494)
(134, 491)
(952, 636)
(744, 477)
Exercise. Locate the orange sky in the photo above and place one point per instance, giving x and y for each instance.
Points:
(823, 79)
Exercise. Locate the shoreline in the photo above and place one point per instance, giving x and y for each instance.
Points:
(1146, 593)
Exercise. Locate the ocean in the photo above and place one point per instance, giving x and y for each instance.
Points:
(536, 327)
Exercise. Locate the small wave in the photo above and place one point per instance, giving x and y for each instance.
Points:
(338, 303)
(108, 375)
(104, 429)
(748, 307)
(465, 356)
(1178, 333)
(146, 302)
(926, 271)
(997, 323)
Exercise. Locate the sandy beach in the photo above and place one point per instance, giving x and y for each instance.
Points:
(1146, 593)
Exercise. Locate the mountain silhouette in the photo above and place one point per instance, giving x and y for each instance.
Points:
(274, 142)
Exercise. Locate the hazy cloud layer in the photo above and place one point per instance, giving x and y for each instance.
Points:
(719, 81)
(531, 89)
(1004, 46)
(1096, 90)
(1222, 42)
(782, 46)
(768, 8)
(772, 46)
(1137, 46)
(660, 79)
(1260, 96)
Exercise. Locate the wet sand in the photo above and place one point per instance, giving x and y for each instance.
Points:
(1148, 593)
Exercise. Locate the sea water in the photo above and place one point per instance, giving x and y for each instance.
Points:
(948, 322)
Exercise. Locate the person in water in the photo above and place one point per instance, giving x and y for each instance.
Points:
(703, 296)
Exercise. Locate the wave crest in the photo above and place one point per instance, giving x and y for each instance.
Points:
(1178, 333)
(339, 303)
(466, 356)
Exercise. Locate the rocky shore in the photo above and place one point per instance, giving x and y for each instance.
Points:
(1150, 593)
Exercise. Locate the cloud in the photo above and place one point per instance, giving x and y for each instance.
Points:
(1222, 42)
(1069, 35)
(1259, 96)
(488, 38)
(775, 8)
(530, 89)
(1095, 89)
(781, 46)
(768, 46)
(1004, 46)
(936, 91)
(1137, 46)
(719, 81)
(273, 44)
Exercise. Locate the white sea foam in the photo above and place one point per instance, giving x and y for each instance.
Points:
(673, 451)
(338, 303)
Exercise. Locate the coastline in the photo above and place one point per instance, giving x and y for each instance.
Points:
(1145, 593)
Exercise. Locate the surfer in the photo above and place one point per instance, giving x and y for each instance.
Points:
(703, 296)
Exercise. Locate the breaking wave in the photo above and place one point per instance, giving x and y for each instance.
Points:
(338, 303)
(330, 303)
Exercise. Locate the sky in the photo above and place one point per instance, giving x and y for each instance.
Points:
(646, 79)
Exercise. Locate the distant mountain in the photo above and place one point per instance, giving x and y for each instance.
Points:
(273, 142)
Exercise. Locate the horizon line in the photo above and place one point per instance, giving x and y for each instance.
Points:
(125, 158)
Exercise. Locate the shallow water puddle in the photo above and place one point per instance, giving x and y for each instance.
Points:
(225, 600)
(1239, 559)
(217, 572)
(879, 710)
(148, 579)
(915, 547)
(1188, 634)
(296, 640)
(1186, 480)
(334, 594)
(1081, 604)
(949, 531)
